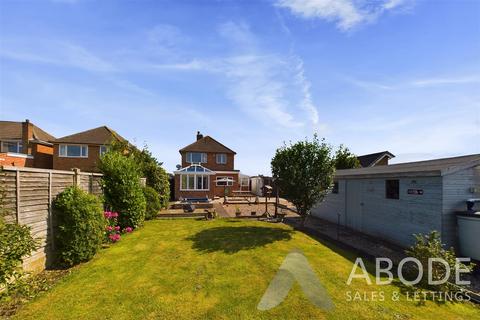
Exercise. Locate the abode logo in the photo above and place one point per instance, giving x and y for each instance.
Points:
(384, 276)
(295, 267)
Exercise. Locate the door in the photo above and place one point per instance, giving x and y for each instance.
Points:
(354, 205)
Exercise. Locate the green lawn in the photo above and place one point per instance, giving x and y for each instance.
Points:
(187, 269)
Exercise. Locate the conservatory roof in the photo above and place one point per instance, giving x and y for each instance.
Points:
(194, 169)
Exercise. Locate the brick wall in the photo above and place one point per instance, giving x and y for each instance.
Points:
(16, 161)
(212, 162)
(43, 156)
(85, 164)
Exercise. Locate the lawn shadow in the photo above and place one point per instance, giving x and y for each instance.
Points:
(233, 239)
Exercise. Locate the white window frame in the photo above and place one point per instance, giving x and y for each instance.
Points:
(195, 187)
(100, 150)
(17, 142)
(203, 156)
(222, 156)
(229, 182)
(65, 154)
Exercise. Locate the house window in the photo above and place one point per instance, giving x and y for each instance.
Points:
(196, 157)
(193, 182)
(392, 188)
(224, 181)
(221, 158)
(73, 151)
(103, 150)
(335, 187)
(12, 146)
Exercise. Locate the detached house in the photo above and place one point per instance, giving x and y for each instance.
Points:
(83, 150)
(207, 170)
(23, 144)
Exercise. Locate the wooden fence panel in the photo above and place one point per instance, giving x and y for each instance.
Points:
(28, 194)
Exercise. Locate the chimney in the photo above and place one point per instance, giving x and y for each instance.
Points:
(27, 135)
(199, 135)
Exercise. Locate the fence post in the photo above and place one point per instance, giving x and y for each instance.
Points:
(50, 211)
(76, 177)
(17, 187)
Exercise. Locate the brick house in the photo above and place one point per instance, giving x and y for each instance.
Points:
(83, 150)
(23, 144)
(207, 170)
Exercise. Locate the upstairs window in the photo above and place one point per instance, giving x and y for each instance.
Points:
(11, 146)
(73, 151)
(103, 150)
(196, 157)
(392, 188)
(221, 158)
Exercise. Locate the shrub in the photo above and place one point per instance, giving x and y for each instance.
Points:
(80, 225)
(430, 246)
(16, 242)
(121, 188)
(153, 202)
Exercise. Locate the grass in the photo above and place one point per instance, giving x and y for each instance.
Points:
(188, 269)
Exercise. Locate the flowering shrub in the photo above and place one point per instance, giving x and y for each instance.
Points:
(112, 230)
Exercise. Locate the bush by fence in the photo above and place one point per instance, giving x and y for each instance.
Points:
(81, 225)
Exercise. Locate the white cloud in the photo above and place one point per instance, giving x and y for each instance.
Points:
(55, 53)
(428, 82)
(347, 14)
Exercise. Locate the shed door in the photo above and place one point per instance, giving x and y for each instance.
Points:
(354, 204)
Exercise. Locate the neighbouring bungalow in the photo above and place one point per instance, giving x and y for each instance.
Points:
(207, 171)
(23, 144)
(395, 201)
(83, 150)
(375, 159)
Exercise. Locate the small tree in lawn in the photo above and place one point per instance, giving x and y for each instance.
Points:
(344, 159)
(304, 172)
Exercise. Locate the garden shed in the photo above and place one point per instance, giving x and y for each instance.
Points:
(395, 201)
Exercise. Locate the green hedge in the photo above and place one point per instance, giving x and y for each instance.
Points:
(153, 203)
(81, 225)
(121, 188)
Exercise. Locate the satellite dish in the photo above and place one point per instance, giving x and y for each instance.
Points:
(179, 167)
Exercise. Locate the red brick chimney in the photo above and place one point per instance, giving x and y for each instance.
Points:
(27, 135)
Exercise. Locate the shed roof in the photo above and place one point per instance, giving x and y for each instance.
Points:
(100, 135)
(207, 144)
(369, 160)
(437, 167)
(13, 130)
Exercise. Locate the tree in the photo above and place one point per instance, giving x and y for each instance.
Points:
(121, 187)
(304, 172)
(150, 168)
(344, 159)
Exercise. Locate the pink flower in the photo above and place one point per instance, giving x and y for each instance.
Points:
(109, 228)
(117, 228)
(128, 229)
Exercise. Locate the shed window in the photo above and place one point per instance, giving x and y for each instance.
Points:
(392, 188)
(335, 187)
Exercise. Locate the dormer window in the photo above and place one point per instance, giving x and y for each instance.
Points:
(196, 157)
(221, 158)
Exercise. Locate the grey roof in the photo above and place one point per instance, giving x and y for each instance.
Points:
(369, 160)
(100, 135)
(13, 130)
(437, 167)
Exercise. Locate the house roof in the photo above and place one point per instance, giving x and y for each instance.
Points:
(437, 167)
(369, 160)
(13, 130)
(100, 135)
(207, 144)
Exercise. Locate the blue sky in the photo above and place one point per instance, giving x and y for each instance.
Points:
(397, 75)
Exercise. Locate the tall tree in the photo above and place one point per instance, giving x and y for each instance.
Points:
(344, 159)
(304, 172)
